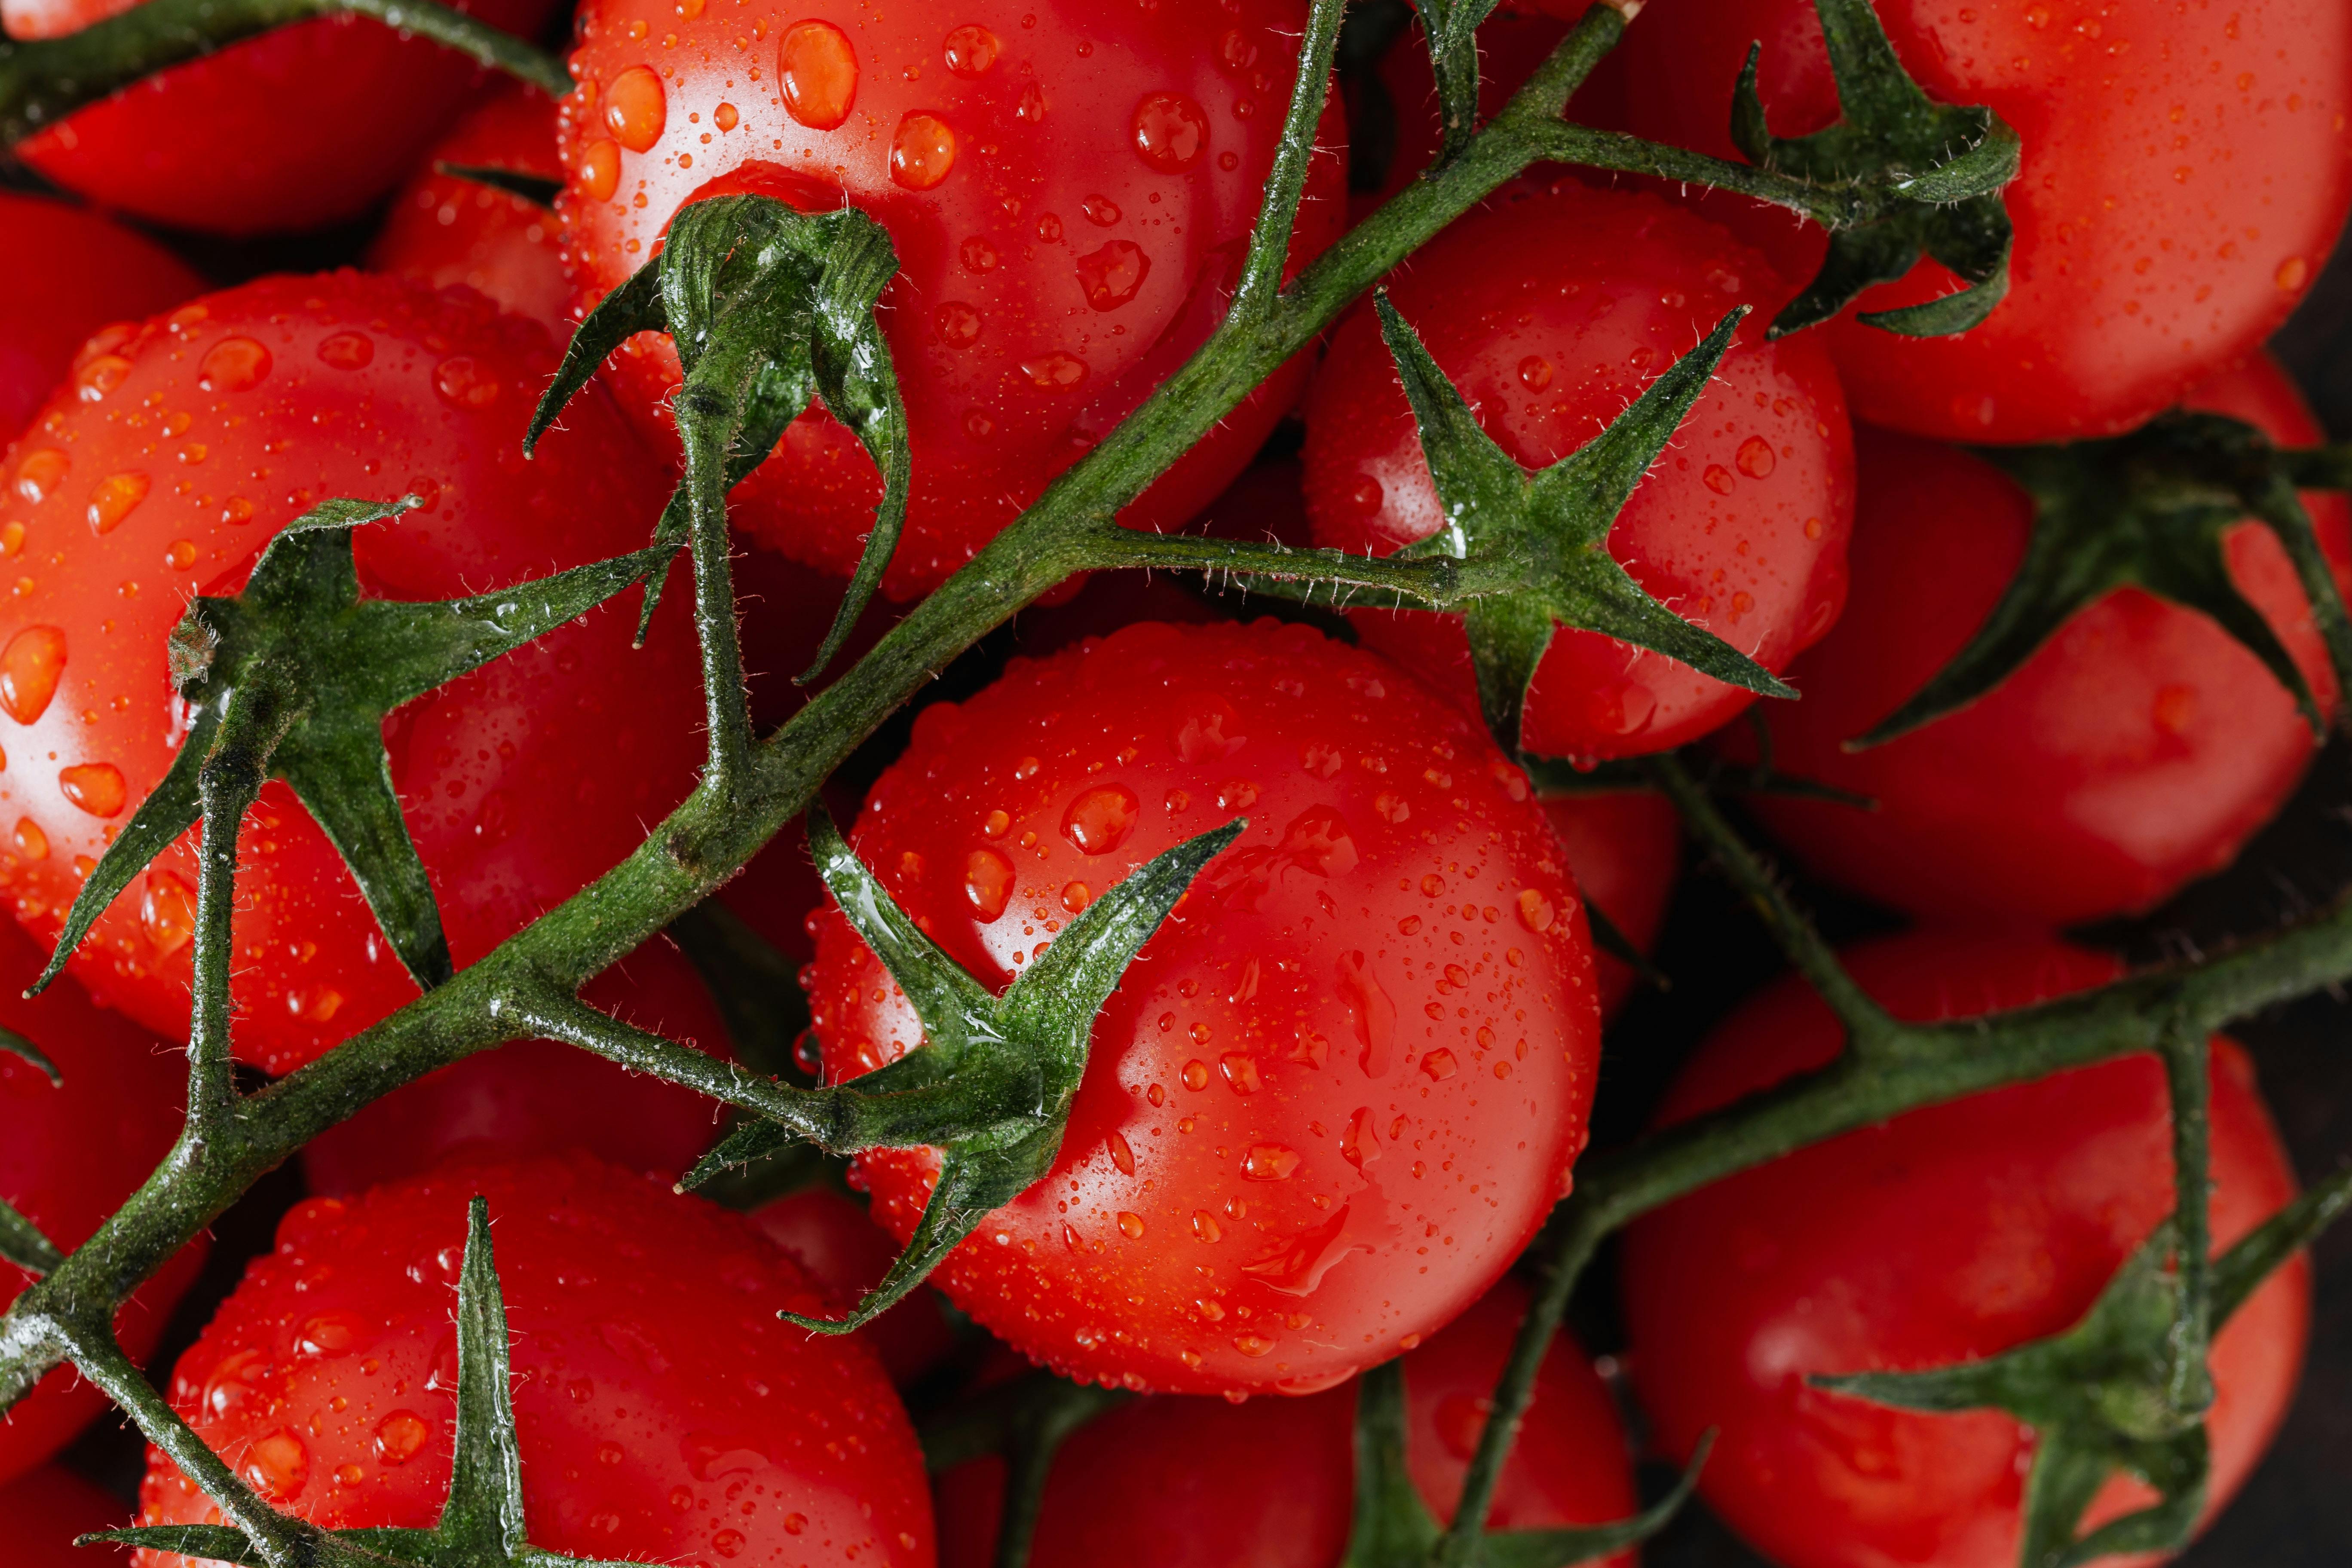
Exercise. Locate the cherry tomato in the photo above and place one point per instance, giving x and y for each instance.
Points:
(1069, 187)
(2185, 177)
(162, 470)
(830, 1236)
(41, 1514)
(1625, 848)
(442, 229)
(65, 274)
(1946, 1235)
(536, 1097)
(654, 1385)
(1380, 998)
(71, 1155)
(1269, 1484)
(300, 127)
(1583, 296)
(2136, 749)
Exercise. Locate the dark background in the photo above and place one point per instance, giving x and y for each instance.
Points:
(2296, 1512)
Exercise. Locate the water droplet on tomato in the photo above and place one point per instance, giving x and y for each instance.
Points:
(114, 499)
(636, 109)
(180, 555)
(1439, 1065)
(1718, 479)
(37, 473)
(346, 350)
(276, 1465)
(1206, 1227)
(100, 376)
(1196, 1075)
(1120, 1154)
(819, 70)
(1371, 1014)
(29, 668)
(1076, 896)
(958, 324)
(1270, 1162)
(464, 381)
(32, 844)
(1240, 1070)
(1100, 820)
(1361, 1142)
(1537, 913)
(1170, 132)
(167, 912)
(400, 1435)
(970, 49)
(1113, 275)
(1101, 211)
(1757, 459)
(2291, 274)
(1535, 372)
(922, 151)
(96, 788)
(1130, 1225)
(987, 882)
(327, 1335)
(234, 365)
(598, 175)
(1250, 1342)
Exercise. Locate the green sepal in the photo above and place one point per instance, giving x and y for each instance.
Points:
(22, 1243)
(1951, 208)
(16, 1044)
(769, 308)
(1449, 29)
(2150, 509)
(538, 190)
(303, 671)
(1008, 1065)
(1552, 528)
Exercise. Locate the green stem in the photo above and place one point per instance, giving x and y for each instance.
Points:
(2188, 1054)
(229, 783)
(1269, 247)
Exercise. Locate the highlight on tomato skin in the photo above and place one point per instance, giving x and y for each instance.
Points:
(1380, 998)
(1949, 1234)
(1269, 1483)
(1586, 296)
(2139, 749)
(1069, 188)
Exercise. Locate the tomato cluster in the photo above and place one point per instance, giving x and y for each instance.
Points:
(1344, 1080)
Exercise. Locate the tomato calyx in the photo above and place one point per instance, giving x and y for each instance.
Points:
(538, 190)
(292, 677)
(1549, 529)
(991, 1083)
(2150, 509)
(482, 1524)
(2105, 1395)
(770, 308)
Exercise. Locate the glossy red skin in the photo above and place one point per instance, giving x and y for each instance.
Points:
(1946, 1235)
(1605, 290)
(662, 1407)
(65, 274)
(1269, 1483)
(441, 230)
(1340, 962)
(1626, 849)
(537, 1097)
(576, 718)
(815, 499)
(2186, 173)
(830, 1236)
(72, 1154)
(2139, 749)
(304, 126)
(41, 1514)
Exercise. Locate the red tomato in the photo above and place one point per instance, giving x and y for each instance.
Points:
(1379, 999)
(1582, 297)
(300, 127)
(1625, 848)
(1268, 1484)
(2139, 749)
(536, 1097)
(830, 1236)
(654, 1383)
(73, 1154)
(2186, 174)
(163, 470)
(1069, 187)
(65, 274)
(41, 1515)
(442, 229)
(1947, 1234)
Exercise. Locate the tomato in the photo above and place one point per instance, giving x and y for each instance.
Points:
(1069, 187)
(1625, 848)
(66, 273)
(2185, 176)
(1379, 999)
(41, 1515)
(1551, 309)
(303, 126)
(442, 229)
(2136, 749)
(162, 470)
(831, 1238)
(654, 1385)
(1946, 1235)
(71, 1155)
(535, 1097)
(1200, 1483)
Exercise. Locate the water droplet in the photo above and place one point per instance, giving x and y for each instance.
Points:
(1100, 820)
(635, 109)
(958, 324)
(794, 1524)
(37, 473)
(167, 912)
(1236, 51)
(96, 788)
(1196, 1075)
(1371, 1014)
(1536, 911)
(997, 824)
(1366, 495)
(1076, 896)
(99, 376)
(2293, 274)
(180, 555)
(977, 255)
(464, 381)
(1439, 1065)
(728, 1542)
(32, 844)
(1757, 459)
(970, 49)
(346, 350)
(1535, 372)
(1813, 528)
(1130, 1225)
(1170, 132)
(1250, 1342)
(234, 365)
(922, 151)
(1206, 1227)
(1240, 1070)
(598, 175)
(276, 1465)
(1055, 372)
(1112, 276)
(819, 70)
(1120, 1154)
(987, 882)
(1101, 211)
(1361, 1143)
(328, 1335)
(1718, 479)
(29, 668)
(399, 1437)
(1270, 1162)
(114, 499)
(1210, 731)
